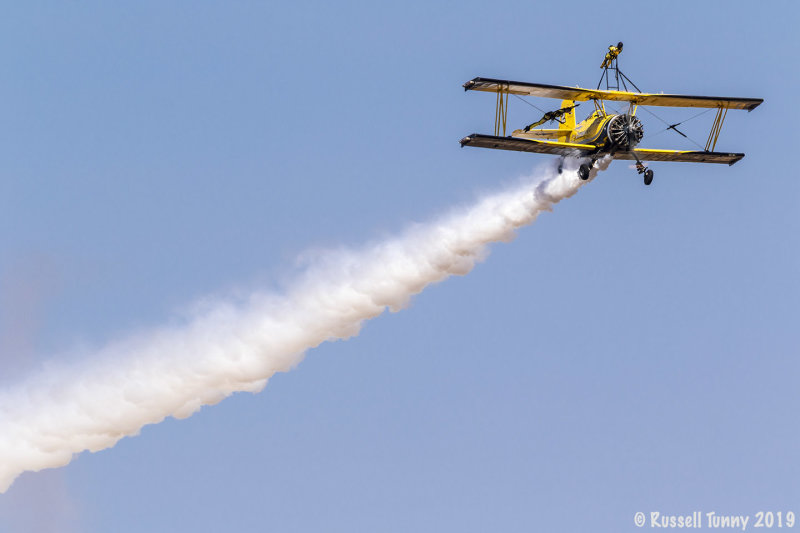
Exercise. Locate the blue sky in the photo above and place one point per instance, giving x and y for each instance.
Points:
(634, 350)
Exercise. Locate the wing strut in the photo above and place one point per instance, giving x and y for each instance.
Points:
(501, 110)
(716, 128)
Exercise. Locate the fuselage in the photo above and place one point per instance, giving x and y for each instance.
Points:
(610, 132)
(606, 132)
(592, 129)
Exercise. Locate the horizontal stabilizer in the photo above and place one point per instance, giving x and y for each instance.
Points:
(541, 134)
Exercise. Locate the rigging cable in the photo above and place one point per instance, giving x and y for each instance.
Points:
(675, 126)
(530, 104)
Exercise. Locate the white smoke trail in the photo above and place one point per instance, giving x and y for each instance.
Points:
(230, 348)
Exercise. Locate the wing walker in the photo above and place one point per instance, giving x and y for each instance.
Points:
(601, 133)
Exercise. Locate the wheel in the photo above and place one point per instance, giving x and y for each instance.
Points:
(560, 166)
(583, 171)
(648, 177)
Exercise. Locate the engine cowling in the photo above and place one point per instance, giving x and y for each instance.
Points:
(624, 131)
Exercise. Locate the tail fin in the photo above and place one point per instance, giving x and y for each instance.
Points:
(569, 120)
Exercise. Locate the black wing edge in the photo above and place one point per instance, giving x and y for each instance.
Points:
(474, 83)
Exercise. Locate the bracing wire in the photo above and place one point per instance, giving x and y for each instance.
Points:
(530, 104)
(673, 126)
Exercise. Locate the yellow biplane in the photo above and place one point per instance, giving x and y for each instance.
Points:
(601, 133)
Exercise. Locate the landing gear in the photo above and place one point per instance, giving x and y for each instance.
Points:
(648, 173)
(583, 171)
(560, 165)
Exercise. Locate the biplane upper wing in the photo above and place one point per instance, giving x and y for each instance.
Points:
(527, 145)
(649, 154)
(576, 93)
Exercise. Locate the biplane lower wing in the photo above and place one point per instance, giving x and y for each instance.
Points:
(648, 154)
(527, 145)
(585, 150)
